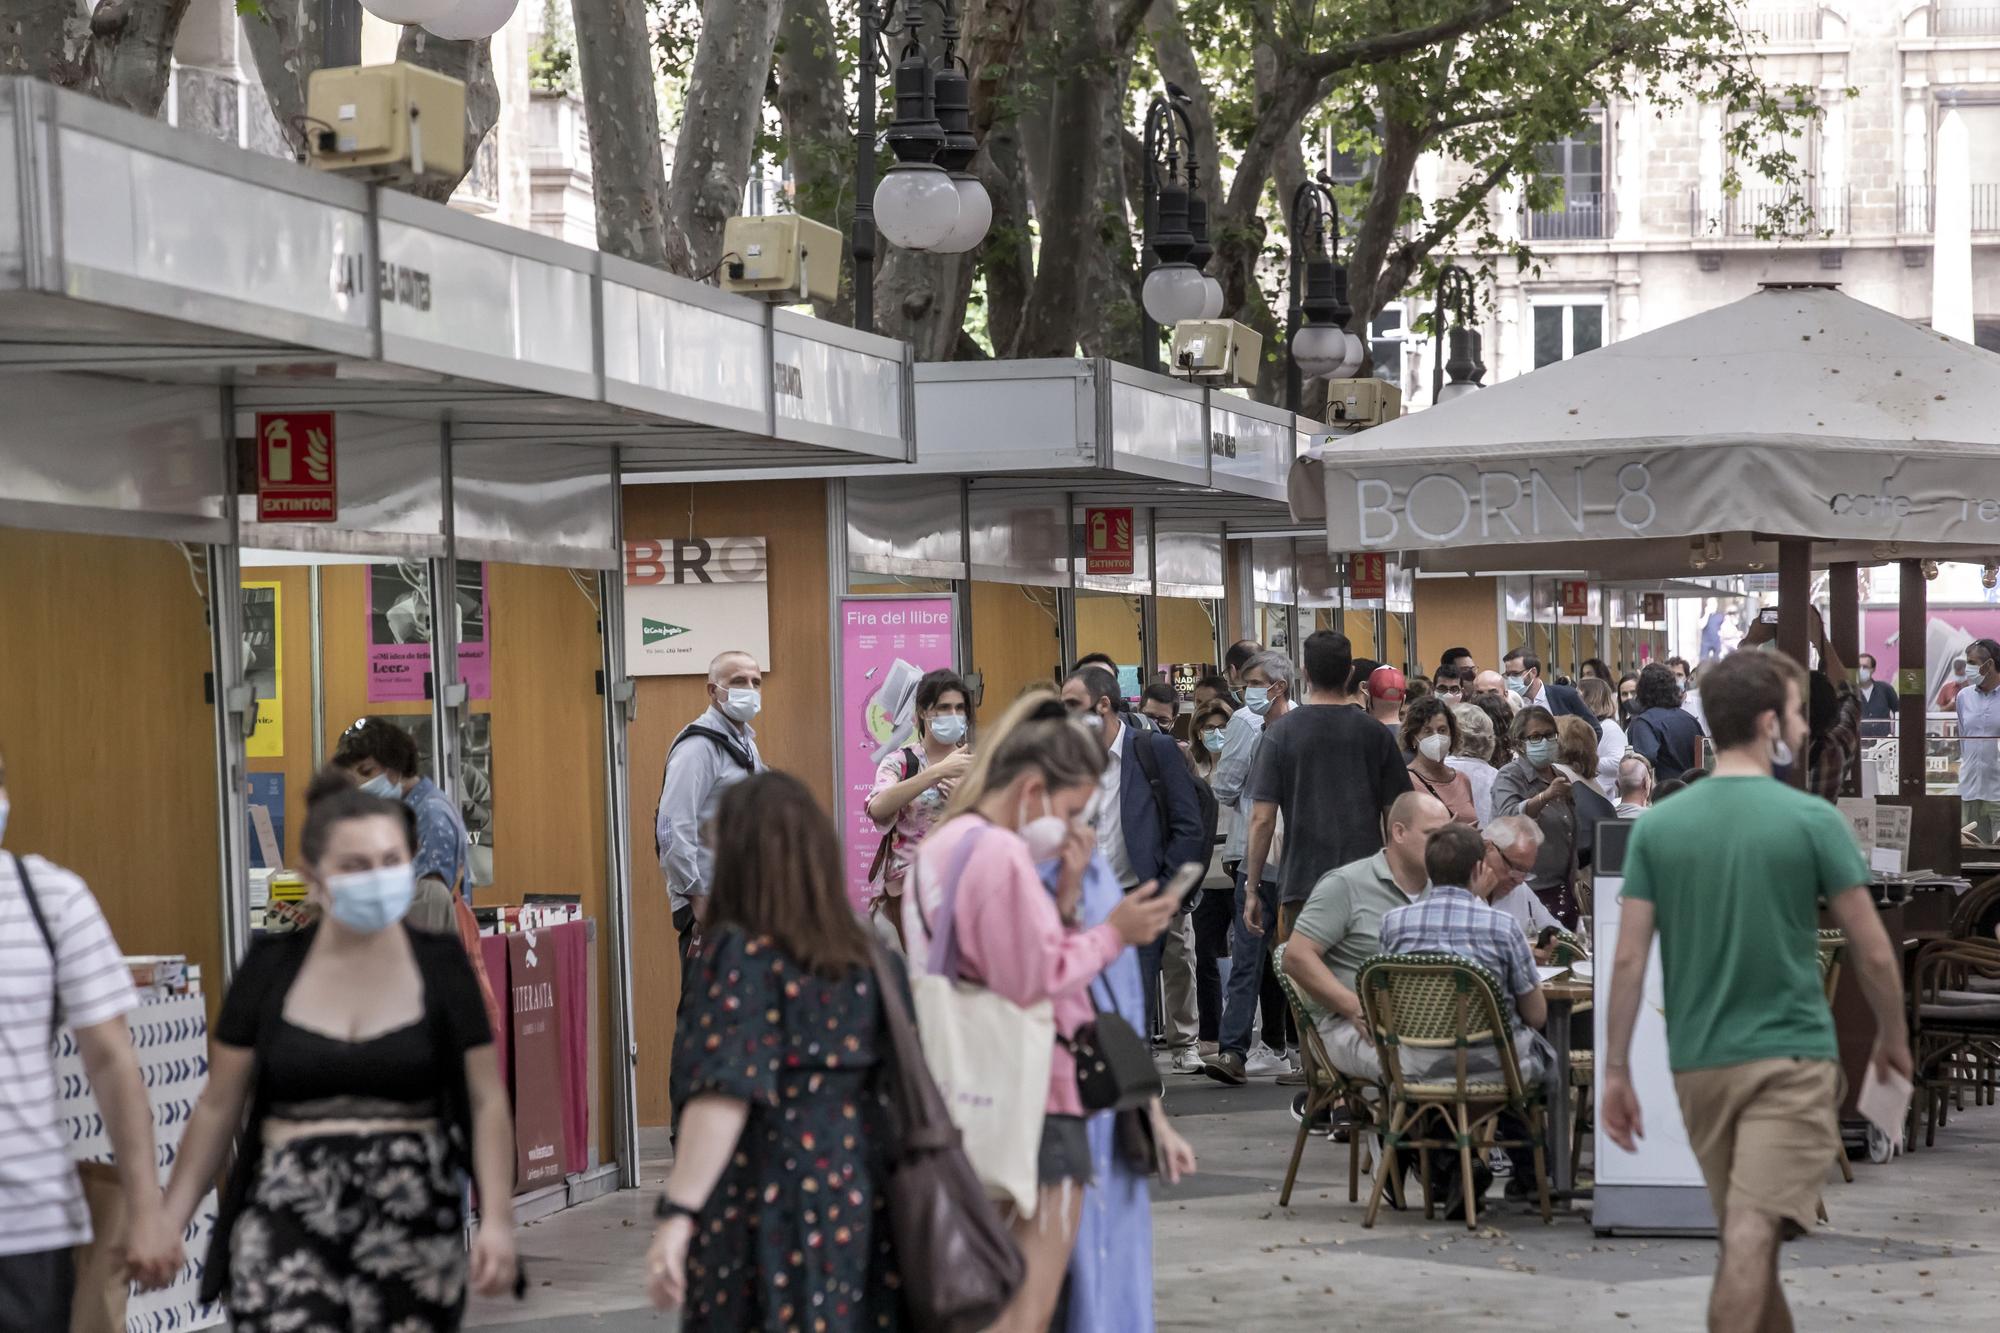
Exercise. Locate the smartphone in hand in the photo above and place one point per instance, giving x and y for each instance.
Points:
(1187, 881)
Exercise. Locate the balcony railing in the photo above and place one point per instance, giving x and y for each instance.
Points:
(1582, 217)
(1766, 209)
(1783, 26)
(1953, 20)
(1917, 209)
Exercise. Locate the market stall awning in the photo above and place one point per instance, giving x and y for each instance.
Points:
(1794, 412)
(154, 273)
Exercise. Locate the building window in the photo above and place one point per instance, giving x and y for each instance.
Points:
(1577, 161)
(1567, 328)
(1386, 336)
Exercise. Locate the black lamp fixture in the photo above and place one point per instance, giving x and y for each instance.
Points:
(929, 200)
(1463, 364)
(1176, 230)
(1319, 343)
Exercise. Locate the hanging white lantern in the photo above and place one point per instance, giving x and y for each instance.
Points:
(471, 20)
(409, 11)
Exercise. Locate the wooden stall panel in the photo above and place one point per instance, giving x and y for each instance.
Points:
(109, 741)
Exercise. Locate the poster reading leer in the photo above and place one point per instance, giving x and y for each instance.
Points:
(887, 644)
(399, 631)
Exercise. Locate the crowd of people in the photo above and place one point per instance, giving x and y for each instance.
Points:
(1110, 868)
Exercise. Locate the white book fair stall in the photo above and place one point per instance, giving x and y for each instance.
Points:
(279, 453)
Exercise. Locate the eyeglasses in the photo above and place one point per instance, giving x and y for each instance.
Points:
(1519, 872)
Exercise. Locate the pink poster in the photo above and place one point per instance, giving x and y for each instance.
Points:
(399, 631)
(887, 644)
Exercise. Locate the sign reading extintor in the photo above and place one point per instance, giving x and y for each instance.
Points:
(1368, 576)
(1107, 541)
(1575, 599)
(295, 468)
(1653, 606)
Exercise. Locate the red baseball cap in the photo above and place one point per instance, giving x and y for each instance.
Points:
(1386, 682)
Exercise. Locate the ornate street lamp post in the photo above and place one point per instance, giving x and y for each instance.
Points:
(1464, 364)
(929, 200)
(1318, 343)
(1175, 288)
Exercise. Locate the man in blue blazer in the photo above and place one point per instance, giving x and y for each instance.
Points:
(1149, 823)
(1524, 677)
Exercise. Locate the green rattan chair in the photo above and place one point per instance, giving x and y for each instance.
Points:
(1441, 1002)
(1326, 1088)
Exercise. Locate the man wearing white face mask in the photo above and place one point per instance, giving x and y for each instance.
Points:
(381, 758)
(715, 751)
(1978, 708)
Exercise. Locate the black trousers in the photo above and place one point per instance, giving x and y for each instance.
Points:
(1211, 945)
(35, 1291)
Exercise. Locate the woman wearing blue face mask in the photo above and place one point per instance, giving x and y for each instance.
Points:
(381, 758)
(362, 1050)
(913, 785)
(1531, 785)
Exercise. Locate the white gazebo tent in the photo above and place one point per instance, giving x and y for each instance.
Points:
(1797, 425)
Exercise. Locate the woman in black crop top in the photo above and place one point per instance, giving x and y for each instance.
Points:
(363, 1051)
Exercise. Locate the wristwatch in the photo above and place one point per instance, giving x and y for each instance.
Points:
(666, 1210)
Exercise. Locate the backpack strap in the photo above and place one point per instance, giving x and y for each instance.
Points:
(693, 729)
(48, 939)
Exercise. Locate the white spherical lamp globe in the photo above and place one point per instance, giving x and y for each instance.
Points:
(1320, 350)
(1173, 293)
(975, 216)
(471, 20)
(1458, 389)
(916, 205)
(1212, 307)
(1357, 353)
(409, 11)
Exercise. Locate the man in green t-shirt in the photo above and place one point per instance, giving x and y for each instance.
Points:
(1732, 872)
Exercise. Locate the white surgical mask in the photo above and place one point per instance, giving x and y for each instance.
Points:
(1781, 753)
(948, 727)
(380, 785)
(743, 704)
(371, 900)
(1257, 698)
(1094, 721)
(1434, 747)
(1866, 673)
(4, 807)
(1045, 833)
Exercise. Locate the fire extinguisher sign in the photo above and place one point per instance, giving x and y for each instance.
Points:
(1107, 541)
(295, 468)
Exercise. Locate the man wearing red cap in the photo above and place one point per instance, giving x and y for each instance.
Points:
(1386, 688)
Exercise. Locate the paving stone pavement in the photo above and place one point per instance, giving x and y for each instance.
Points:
(1914, 1244)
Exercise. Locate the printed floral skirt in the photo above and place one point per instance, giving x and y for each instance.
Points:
(351, 1233)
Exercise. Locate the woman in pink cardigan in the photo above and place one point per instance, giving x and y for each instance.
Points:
(1023, 802)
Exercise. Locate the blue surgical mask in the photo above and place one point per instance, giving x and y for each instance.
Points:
(1539, 753)
(380, 785)
(1257, 698)
(1517, 684)
(743, 704)
(948, 727)
(1211, 740)
(371, 900)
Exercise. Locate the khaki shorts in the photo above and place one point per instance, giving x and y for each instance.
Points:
(1765, 1133)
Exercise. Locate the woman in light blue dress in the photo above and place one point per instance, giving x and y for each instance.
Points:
(1111, 1268)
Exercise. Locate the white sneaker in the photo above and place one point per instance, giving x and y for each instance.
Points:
(1262, 1060)
(1189, 1062)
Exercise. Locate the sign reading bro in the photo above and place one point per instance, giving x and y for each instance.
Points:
(697, 560)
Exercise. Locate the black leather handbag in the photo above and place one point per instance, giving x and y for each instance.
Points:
(1114, 1066)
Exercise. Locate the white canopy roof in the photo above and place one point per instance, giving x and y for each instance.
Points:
(1794, 412)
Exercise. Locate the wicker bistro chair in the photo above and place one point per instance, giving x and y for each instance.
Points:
(1433, 1002)
(1955, 1028)
(1326, 1088)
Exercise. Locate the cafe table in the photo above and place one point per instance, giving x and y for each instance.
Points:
(1564, 993)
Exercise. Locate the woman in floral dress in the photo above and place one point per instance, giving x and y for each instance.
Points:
(773, 1217)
